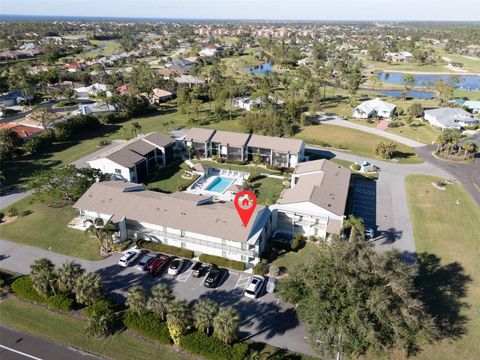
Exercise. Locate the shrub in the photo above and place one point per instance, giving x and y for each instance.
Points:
(158, 247)
(23, 287)
(213, 348)
(60, 302)
(2, 215)
(221, 261)
(101, 306)
(12, 211)
(120, 246)
(235, 162)
(356, 167)
(312, 238)
(395, 124)
(104, 142)
(274, 270)
(415, 110)
(296, 241)
(260, 269)
(148, 325)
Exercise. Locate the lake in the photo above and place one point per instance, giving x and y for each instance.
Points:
(468, 82)
(412, 94)
(99, 48)
(260, 69)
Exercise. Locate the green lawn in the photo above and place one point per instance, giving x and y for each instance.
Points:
(111, 47)
(170, 178)
(358, 142)
(291, 259)
(446, 224)
(69, 331)
(267, 189)
(46, 227)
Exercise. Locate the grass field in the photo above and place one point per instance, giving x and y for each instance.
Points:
(267, 189)
(170, 178)
(111, 47)
(291, 259)
(357, 142)
(69, 331)
(46, 227)
(446, 225)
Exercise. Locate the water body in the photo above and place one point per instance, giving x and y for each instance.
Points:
(411, 94)
(99, 48)
(260, 69)
(468, 82)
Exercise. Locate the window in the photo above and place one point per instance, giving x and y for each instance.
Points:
(244, 246)
(224, 254)
(165, 241)
(224, 242)
(244, 258)
(118, 171)
(183, 244)
(182, 233)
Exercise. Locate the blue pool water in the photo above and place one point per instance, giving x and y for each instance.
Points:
(219, 184)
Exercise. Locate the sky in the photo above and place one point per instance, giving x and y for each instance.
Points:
(428, 10)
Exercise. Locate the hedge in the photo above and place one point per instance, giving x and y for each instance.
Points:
(148, 325)
(220, 261)
(158, 247)
(101, 306)
(23, 287)
(213, 348)
(60, 302)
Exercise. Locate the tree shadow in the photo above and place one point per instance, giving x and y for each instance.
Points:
(443, 288)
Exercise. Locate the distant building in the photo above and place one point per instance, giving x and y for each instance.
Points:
(450, 118)
(95, 108)
(375, 107)
(24, 132)
(473, 106)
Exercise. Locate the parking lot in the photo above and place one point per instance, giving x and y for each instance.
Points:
(264, 318)
(363, 202)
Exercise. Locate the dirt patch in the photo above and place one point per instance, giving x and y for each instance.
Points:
(8, 219)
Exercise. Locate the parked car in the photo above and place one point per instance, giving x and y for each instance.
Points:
(271, 284)
(197, 269)
(158, 265)
(129, 257)
(214, 277)
(254, 287)
(176, 266)
(145, 261)
(369, 233)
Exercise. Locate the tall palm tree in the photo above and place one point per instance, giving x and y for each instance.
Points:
(136, 299)
(356, 226)
(102, 232)
(67, 276)
(204, 313)
(88, 289)
(179, 319)
(160, 300)
(470, 148)
(42, 273)
(226, 324)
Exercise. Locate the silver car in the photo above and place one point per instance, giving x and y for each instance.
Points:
(254, 287)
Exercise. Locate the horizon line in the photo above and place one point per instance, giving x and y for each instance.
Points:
(139, 18)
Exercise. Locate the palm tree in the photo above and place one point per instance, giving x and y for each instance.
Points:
(136, 128)
(100, 323)
(102, 232)
(67, 276)
(356, 226)
(88, 289)
(470, 148)
(204, 313)
(136, 299)
(42, 273)
(160, 300)
(179, 319)
(226, 324)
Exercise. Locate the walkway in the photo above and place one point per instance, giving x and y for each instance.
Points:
(374, 131)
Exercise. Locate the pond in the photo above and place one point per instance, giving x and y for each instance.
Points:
(260, 69)
(411, 94)
(99, 48)
(468, 82)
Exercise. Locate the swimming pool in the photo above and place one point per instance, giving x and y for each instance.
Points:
(220, 184)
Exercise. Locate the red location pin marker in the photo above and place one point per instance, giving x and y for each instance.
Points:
(245, 202)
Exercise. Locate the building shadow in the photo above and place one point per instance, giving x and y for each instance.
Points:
(443, 288)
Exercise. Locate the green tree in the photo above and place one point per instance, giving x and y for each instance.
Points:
(88, 289)
(102, 232)
(204, 312)
(356, 300)
(136, 299)
(160, 300)
(470, 148)
(9, 141)
(385, 150)
(100, 323)
(67, 275)
(44, 279)
(226, 324)
(356, 226)
(415, 110)
(136, 128)
(179, 319)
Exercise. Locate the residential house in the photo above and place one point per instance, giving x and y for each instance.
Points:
(198, 140)
(12, 98)
(95, 108)
(315, 203)
(281, 152)
(133, 161)
(92, 90)
(473, 106)
(190, 80)
(24, 132)
(246, 103)
(75, 66)
(158, 95)
(208, 52)
(230, 145)
(181, 219)
(450, 118)
(375, 107)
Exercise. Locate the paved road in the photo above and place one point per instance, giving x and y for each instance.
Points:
(17, 345)
(48, 105)
(264, 319)
(374, 131)
(12, 197)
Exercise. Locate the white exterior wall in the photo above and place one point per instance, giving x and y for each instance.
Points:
(107, 166)
(95, 215)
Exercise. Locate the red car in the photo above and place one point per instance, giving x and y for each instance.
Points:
(158, 265)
